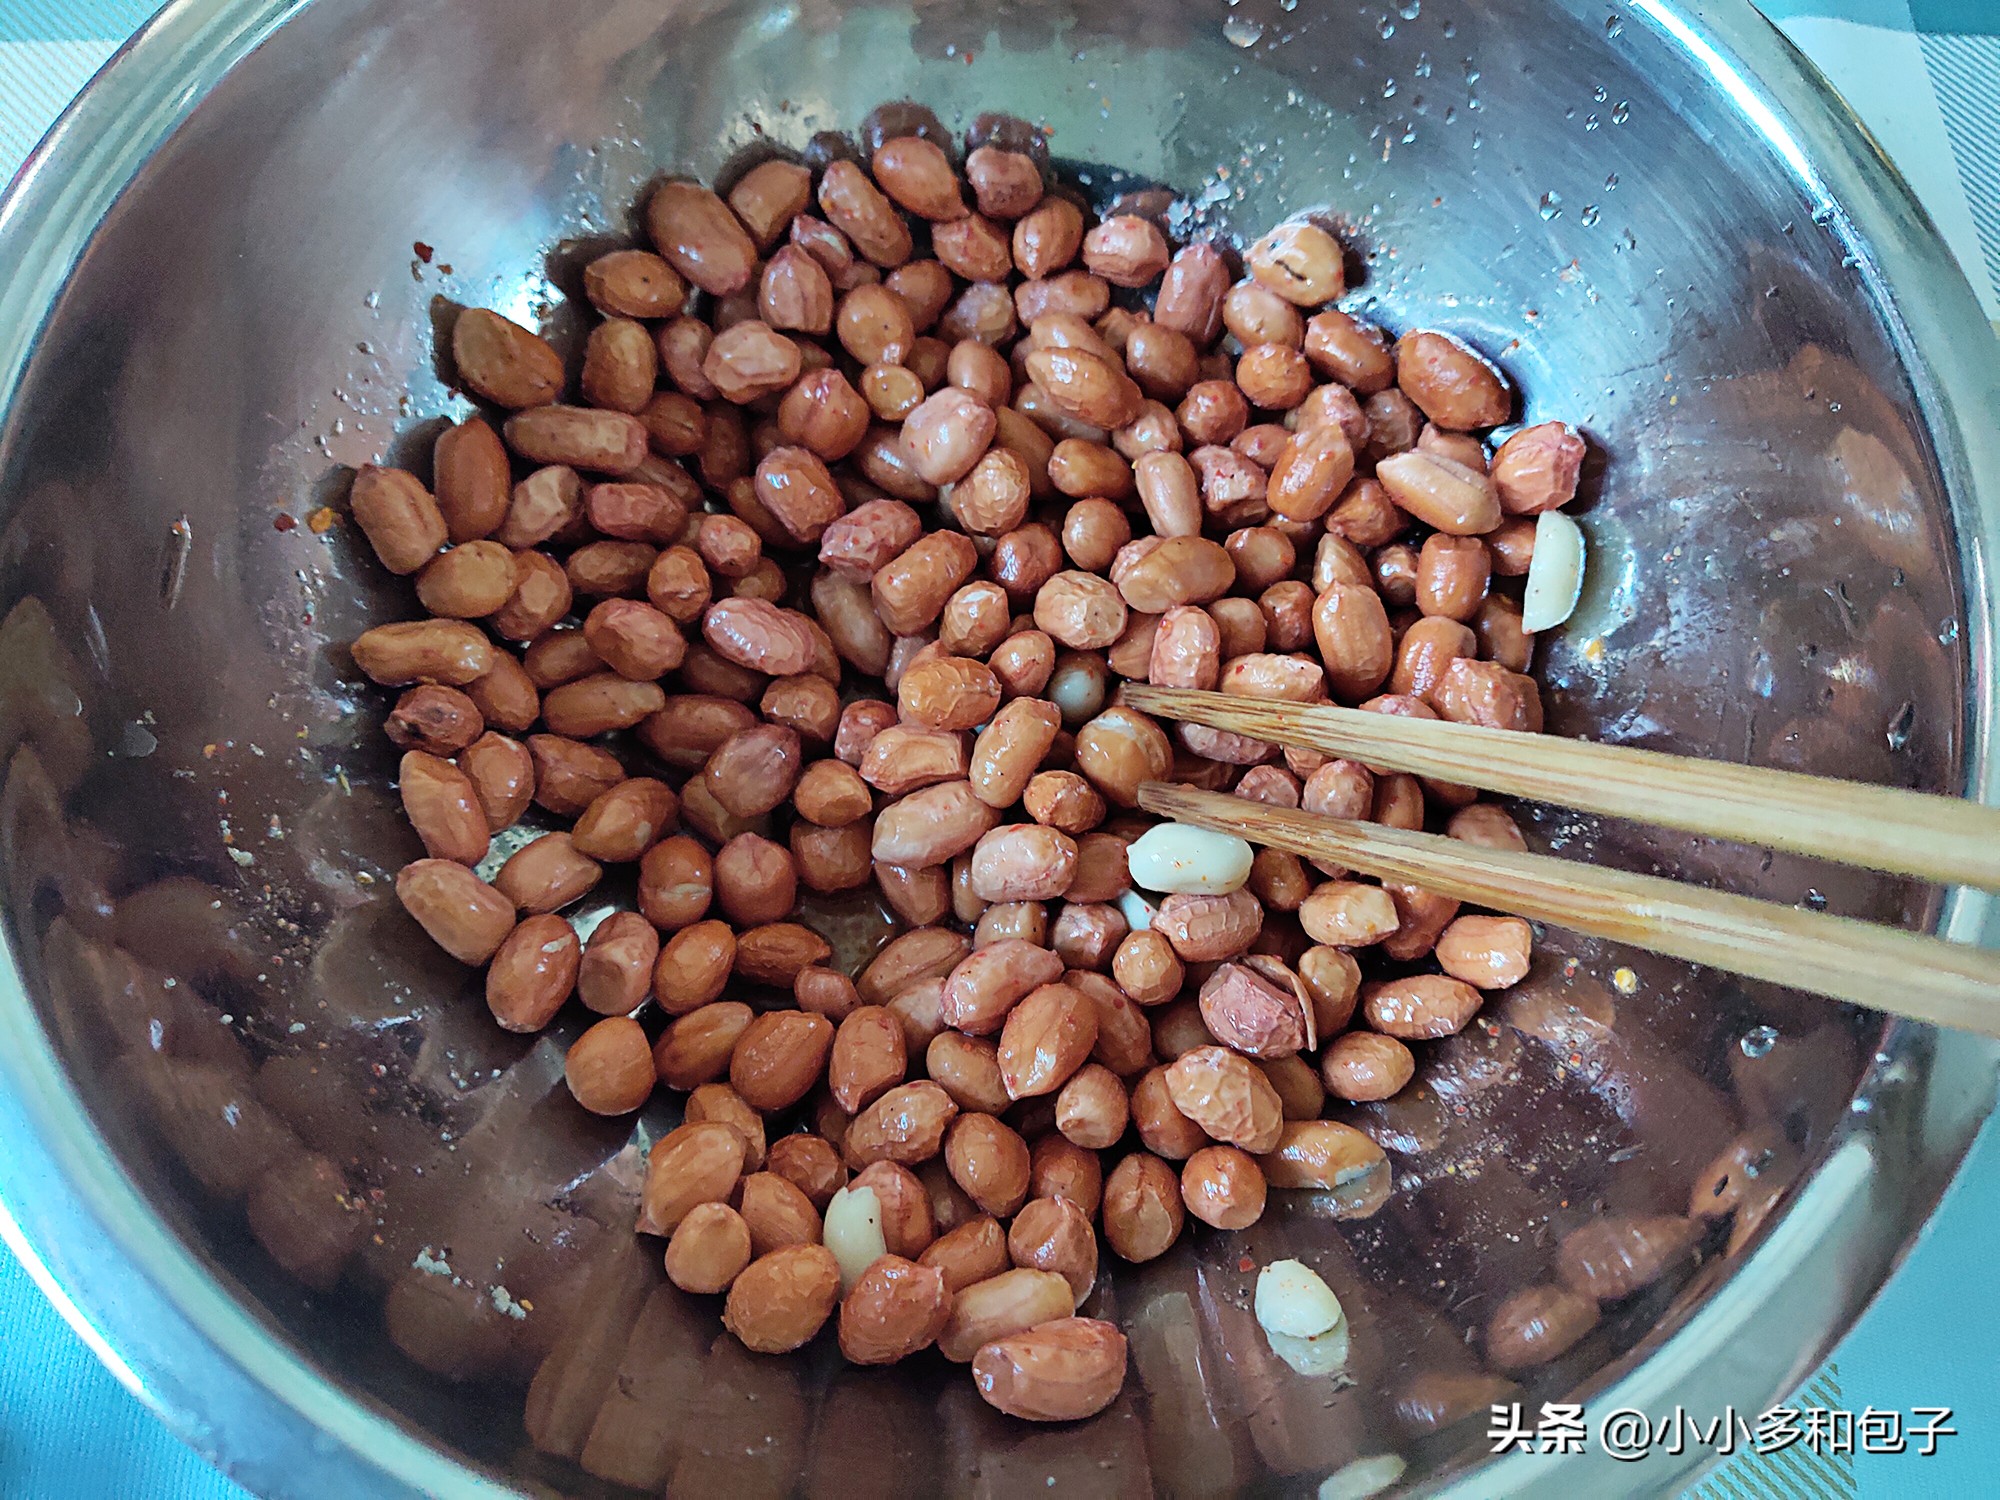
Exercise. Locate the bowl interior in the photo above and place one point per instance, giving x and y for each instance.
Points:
(201, 834)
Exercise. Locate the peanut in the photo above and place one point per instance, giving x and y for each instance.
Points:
(699, 236)
(696, 1048)
(464, 915)
(709, 1249)
(1421, 1006)
(867, 1058)
(1142, 1210)
(1613, 1257)
(1454, 387)
(1202, 928)
(975, 1251)
(779, 1057)
(1006, 183)
(776, 1212)
(1000, 1306)
(443, 651)
(989, 1163)
(1059, 1372)
(905, 1125)
(547, 874)
(896, 1307)
(1364, 1065)
(780, 1300)
(1223, 1187)
(860, 210)
(609, 1068)
(1245, 1010)
(769, 197)
(503, 361)
(443, 807)
(502, 773)
(693, 1165)
(1490, 953)
(617, 966)
(1045, 1038)
(1092, 1109)
(1536, 469)
(931, 825)
(1320, 1154)
(577, 437)
(401, 520)
(439, 720)
(633, 284)
(1227, 1097)
(471, 477)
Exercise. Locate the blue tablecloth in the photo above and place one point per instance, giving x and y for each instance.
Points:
(1925, 74)
(68, 1431)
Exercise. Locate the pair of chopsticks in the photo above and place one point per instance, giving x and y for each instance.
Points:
(1940, 839)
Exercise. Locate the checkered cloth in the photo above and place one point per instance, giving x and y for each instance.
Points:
(1923, 74)
(48, 48)
(1925, 77)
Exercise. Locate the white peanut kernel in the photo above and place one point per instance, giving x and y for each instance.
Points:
(852, 1230)
(1178, 859)
(1292, 1299)
(1555, 573)
(1362, 1478)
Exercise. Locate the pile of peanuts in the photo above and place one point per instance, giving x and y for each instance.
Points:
(863, 539)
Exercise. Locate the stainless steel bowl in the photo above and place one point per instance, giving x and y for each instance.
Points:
(220, 1040)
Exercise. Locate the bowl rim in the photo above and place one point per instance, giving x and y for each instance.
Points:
(234, 1388)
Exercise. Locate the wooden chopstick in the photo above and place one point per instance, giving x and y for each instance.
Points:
(1943, 839)
(1884, 968)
